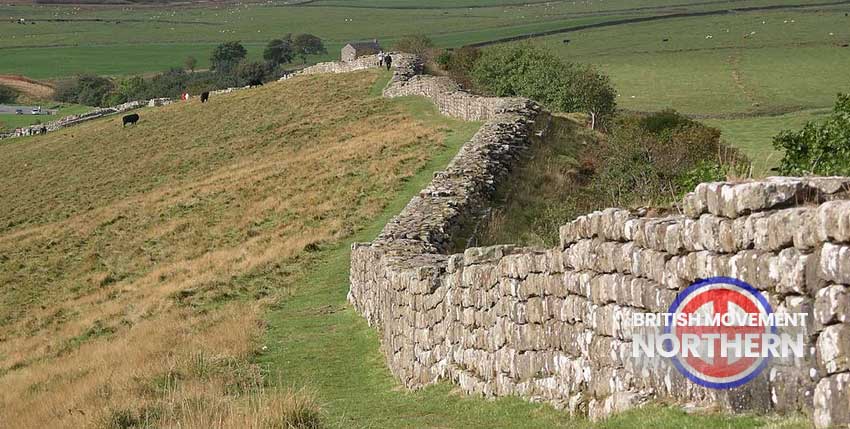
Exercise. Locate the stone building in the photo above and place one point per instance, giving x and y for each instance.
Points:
(353, 50)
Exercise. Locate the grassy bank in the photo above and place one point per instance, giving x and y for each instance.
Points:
(135, 263)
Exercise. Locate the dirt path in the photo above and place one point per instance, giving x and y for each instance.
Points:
(27, 86)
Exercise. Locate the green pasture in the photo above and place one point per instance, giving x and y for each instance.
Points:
(114, 40)
(785, 66)
(750, 86)
(754, 136)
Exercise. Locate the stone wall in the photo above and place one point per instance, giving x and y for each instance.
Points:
(547, 324)
(70, 120)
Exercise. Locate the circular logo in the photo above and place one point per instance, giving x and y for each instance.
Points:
(725, 307)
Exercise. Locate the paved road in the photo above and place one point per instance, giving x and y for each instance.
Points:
(6, 109)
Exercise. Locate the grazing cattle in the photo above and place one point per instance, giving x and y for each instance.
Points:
(255, 82)
(665, 40)
(566, 41)
(130, 119)
(205, 96)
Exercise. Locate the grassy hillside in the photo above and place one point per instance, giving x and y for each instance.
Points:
(135, 263)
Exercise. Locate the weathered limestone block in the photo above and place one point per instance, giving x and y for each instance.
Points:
(832, 305)
(832, 402)
(791, 388)
(833, 349)
(479, 255)
(835, 263)
(833, 221)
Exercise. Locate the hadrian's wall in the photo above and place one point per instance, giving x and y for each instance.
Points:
(548, 324)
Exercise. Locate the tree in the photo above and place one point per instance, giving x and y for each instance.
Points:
(307, 44)
(821, 148)
(226, 56)
(279, 51)
(250, 71)
(594, 94)
(190, 63)
(89, 90)
(7, 95)
(132, 88)
(418, 44)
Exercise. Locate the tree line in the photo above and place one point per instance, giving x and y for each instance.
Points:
(229, 67)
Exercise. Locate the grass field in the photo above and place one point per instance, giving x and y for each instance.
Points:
(114, 40)
(757, 74)
(135, 263)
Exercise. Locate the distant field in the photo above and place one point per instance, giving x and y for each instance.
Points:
(757, 73)
(119, 40)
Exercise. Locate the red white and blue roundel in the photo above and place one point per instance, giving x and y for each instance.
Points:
(710, 298)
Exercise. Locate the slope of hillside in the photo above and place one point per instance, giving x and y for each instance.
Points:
(134, 263)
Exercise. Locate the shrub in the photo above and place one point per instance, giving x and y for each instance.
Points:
(190, 63)
(658, 158)
(525, 70)
(7, 95)
(459, 65)
(819, 148)
(89, 90)
(250, 71)
(418, 44)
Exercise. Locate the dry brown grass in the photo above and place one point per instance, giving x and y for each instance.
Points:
(134, 262)
(29, 87)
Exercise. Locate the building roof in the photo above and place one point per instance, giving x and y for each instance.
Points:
(365, 46)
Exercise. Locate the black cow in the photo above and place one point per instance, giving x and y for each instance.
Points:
(255, 82)
(130, 119)
(205, 96)
(665, 40)
(566, 41)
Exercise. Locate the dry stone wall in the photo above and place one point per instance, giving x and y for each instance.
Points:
(548, 324)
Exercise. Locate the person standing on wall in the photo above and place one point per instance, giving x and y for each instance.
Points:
(388, 60)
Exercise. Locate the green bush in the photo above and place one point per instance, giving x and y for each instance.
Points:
(89, 90)
(656, 159)
(418, 44)
(819, 148)
(459, 65)
(7, 95)
(525, 70)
